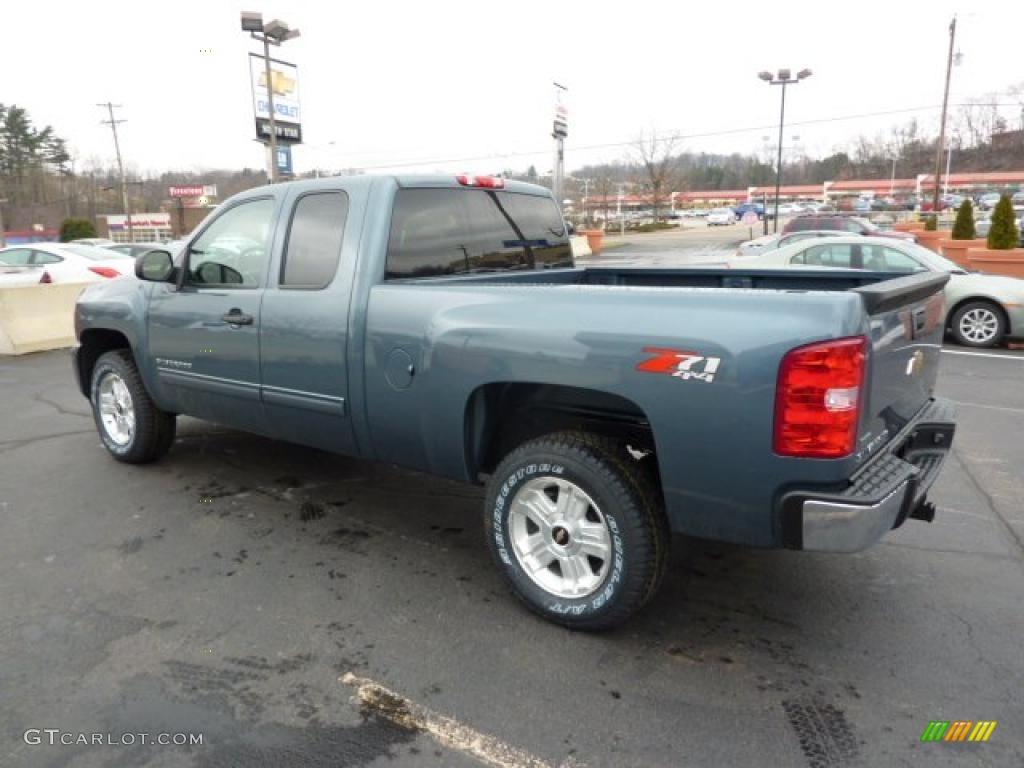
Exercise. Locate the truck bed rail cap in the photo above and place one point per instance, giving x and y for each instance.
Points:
(887, 295)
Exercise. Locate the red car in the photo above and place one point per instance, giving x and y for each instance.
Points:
(852, 224)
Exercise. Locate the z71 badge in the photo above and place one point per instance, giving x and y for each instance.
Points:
(682, 365)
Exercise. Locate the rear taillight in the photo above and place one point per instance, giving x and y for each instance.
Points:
(485, 182)
(105, 271)
(818, 399)
(45, 278)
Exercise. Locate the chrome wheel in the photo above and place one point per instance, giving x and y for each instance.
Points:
(979, 325)
(560, 537)
(117, 412)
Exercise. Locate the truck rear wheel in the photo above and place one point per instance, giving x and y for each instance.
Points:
(132, 428)
(577, 529)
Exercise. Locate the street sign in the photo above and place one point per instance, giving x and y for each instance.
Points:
(749, 218)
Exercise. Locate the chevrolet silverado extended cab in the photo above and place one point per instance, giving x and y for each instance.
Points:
(439, 323)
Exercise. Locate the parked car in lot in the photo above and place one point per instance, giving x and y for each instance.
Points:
(439, 323)
(67, 262)
(721, 217)
(93, 241)
(757, 208)
(980, 310)
(988, 201)
(767, 243)
(132, 249)
(852, 224)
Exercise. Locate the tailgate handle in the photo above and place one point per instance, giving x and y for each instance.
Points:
(920, 317)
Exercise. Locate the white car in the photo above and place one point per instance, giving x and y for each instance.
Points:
(720, 217)
(981, 310)
(66, 262)
(769, 243)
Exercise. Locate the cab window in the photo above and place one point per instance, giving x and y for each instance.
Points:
(233, 251)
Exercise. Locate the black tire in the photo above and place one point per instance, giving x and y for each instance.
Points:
(979, 309)
(154, 429)
(631, 509)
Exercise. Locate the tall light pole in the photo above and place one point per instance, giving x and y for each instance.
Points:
(120, 167)
(942, 126)
(783, 78)
(559, 132)
(272, 33)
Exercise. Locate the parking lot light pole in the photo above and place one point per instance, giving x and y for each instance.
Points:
(783, 78)
(272, 33)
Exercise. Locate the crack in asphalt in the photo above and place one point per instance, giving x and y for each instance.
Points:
(13, 445)
(990, 503)
(38, 397)
(971, 642)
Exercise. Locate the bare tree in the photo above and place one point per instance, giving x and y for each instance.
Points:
(656, 156)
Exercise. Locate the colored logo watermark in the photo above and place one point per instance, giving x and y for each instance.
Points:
(958, 730)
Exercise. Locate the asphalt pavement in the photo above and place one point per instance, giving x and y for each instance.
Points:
(301, 609)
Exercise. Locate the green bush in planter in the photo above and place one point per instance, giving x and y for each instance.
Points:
(963, 227)
(1003, 234)
(930, 223)
(72, 229)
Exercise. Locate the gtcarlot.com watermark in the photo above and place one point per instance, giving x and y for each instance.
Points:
(53, 736)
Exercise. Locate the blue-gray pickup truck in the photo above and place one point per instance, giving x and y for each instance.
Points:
(440, 323)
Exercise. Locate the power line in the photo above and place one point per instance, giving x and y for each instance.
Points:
(676, 135)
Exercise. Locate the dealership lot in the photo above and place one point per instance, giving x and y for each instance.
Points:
(228, 589)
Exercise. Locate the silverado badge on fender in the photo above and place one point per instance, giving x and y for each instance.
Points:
(683, 365)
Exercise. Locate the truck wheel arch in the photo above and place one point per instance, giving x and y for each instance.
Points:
(499, 416)
(95, 342)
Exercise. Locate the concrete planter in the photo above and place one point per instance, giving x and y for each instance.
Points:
(956, 250)
(1009, 263)
(595, 239)
(930, 239)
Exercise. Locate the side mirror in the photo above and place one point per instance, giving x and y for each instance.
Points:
(156, 266)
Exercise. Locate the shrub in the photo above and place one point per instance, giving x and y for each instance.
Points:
(72, 229)
(963, 227)
(1003, 234)
(931, 223)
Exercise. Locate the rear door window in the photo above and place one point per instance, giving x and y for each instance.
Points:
(314, 240)
(841, 255)
(438, 232)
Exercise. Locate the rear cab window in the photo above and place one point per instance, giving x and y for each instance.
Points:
(439, 232)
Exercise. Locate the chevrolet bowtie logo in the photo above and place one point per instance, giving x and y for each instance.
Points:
(280, 83)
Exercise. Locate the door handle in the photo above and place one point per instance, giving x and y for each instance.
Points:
(237, 317)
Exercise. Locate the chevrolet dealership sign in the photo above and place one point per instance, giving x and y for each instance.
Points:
(284, 84)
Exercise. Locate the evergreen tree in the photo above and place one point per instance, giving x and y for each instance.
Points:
(963, 227)
(1003, 235)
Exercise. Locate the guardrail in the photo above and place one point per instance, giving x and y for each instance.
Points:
(34, 318)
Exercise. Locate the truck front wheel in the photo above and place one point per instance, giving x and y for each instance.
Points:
(132, 428)
(577, 529)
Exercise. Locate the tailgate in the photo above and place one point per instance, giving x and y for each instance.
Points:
(906, 321)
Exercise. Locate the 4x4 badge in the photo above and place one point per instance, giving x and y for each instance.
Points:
(681, 364)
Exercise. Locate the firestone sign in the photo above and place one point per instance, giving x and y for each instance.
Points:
(193, 190)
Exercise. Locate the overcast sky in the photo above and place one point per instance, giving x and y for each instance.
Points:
(384, 82)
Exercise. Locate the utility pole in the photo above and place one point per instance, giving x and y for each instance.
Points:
(3, 239)
(120, 167)
(942, 126)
